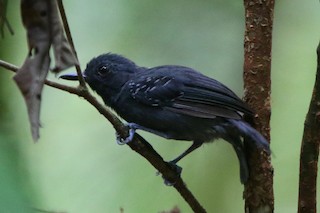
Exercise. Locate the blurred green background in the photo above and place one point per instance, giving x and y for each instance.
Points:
(77, 167)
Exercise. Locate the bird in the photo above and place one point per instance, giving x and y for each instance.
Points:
(174, 102)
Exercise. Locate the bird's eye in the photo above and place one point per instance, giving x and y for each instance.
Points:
(103, 70)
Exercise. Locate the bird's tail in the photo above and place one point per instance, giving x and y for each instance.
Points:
(250, 133)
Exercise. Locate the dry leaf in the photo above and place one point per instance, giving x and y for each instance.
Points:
(30, 78)
(43, 25)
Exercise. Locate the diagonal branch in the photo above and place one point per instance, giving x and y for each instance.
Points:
(139, 144)
(310, 150)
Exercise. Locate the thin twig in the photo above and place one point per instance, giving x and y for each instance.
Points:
(310, 150)
(3, 18)
(53, 84)
(70, 40)
(8, 66)
(139, 144)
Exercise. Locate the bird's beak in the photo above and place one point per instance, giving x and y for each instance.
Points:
(71, 76)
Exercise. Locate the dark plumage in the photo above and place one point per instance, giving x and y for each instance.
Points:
(174, 102)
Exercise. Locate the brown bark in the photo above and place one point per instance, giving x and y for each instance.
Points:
(258, 193)
(310, 151)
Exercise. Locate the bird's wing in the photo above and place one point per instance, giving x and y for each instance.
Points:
(185, 91)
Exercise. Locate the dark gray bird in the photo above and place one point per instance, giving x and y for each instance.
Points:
(174, 102)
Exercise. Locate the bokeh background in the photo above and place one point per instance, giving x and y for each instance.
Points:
(77, 167)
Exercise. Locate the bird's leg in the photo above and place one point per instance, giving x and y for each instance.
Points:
(173, 163)
(132, 129)
(194, 146)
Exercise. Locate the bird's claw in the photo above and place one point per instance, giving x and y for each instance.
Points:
(123, 141)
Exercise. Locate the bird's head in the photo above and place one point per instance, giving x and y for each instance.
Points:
(107, 73)
(109, 70)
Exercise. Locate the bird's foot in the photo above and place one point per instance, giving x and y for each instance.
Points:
(123, 141)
